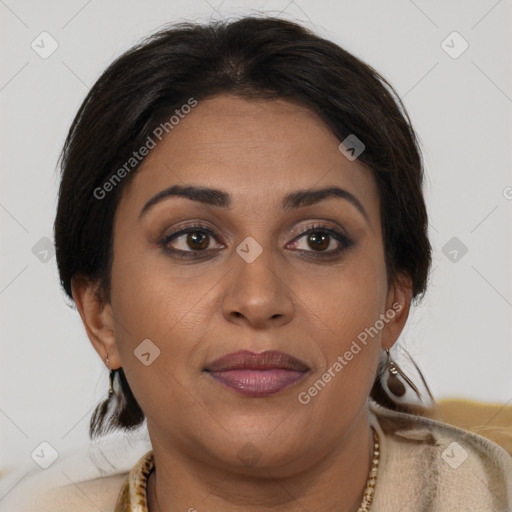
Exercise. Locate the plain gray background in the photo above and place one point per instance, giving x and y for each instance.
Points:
(51, 378)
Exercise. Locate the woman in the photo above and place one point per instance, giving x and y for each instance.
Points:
(242, 228)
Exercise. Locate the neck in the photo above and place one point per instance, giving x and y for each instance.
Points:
(336, 481)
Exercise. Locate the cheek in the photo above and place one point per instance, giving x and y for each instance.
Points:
(150, 293)
(155, 298)
(347, 299)
(150, 301)
(344, 312)
(350, 347)
(160, 318)
(167, 302)
(172, 304)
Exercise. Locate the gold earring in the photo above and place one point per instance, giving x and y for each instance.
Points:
(394, 384)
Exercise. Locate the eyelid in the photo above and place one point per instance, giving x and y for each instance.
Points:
(320, 224)
(185, 229)
(343, 239)
(316, 224)
(341, 236)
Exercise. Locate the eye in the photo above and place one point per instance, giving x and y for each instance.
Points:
(322, 240)
(195, 241)
(189, 241)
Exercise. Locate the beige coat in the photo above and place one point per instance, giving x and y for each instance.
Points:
(425, 466)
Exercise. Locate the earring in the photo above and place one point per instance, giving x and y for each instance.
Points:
(110, 378)
(394, 384)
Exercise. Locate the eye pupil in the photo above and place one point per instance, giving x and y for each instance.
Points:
(319, 240)
(197, 237)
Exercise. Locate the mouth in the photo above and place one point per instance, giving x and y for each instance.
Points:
(257, 374)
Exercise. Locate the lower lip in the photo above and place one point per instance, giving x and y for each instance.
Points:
(258, 382)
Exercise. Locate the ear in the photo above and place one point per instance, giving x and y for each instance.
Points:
(98, 319)
(398, 304)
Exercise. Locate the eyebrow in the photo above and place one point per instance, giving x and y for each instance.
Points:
(221, 199)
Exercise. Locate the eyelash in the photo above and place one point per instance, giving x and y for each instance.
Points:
(345, 241)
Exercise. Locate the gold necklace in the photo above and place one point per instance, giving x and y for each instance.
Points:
(370, 483)
(372, 477)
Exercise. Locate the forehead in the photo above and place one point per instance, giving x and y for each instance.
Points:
(255, 150)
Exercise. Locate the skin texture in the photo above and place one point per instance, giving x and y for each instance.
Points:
(313, 457)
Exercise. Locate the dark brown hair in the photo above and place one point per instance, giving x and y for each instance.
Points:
(252, 57)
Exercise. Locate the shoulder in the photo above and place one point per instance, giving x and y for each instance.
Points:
(437, 466)
(86, 479)
(87, 496)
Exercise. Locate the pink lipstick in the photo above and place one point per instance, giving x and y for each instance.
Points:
(257, 374)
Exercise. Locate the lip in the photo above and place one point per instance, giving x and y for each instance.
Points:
(267, 360)
(257, 374)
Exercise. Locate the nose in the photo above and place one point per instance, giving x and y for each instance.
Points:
(257, 293)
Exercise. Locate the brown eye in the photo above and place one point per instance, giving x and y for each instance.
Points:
(197, 240)
(321, 241)
(190, 241)
(318, 240)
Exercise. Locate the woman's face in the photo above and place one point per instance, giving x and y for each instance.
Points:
(197, 297)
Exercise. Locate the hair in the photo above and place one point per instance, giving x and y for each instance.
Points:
(253, 58)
